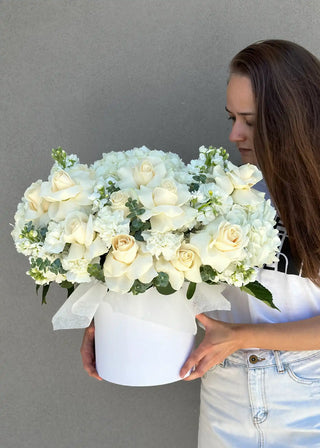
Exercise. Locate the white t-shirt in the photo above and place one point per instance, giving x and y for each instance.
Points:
(297, 297)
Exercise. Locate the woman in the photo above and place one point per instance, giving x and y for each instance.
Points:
(260, 368)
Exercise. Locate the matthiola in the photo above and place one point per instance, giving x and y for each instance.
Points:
(143, 218)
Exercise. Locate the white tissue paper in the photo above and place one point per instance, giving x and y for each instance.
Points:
(140, 340)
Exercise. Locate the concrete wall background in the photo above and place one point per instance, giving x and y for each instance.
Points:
(94, 76)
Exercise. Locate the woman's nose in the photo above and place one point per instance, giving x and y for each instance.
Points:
(237, 134)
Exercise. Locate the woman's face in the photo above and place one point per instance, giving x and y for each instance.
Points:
(242, 111)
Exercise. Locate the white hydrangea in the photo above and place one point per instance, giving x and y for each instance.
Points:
(165, 244)
(54, 241)
(77, 270)
(110, 164)
(109, 223)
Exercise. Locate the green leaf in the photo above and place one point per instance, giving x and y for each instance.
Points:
(66, 284)
(37, 288)
(260, 292)
(208, 274)
(96, 271)
(139, 287)
(45, 290)
(161, 280)
(167, 290)
(191, 290)
(70, 291)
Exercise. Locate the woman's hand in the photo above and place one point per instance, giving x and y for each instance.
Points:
(220, 340)
(88, 353)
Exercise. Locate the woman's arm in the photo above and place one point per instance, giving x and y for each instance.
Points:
(222, 339)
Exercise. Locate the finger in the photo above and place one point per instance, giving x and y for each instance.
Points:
(204, 365)
(89, 366)
(88, 353)
(205, 320)
(193, 359)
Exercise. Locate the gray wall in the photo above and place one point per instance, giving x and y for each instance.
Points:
(94, 76)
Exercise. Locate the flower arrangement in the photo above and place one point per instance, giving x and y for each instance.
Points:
(142, 218)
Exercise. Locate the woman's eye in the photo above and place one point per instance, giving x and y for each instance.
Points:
(249, 124)
(230, 117)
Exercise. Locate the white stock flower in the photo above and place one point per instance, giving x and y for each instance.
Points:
(126, 262)
(219, 243)
(237, 276)
(165, 244)
(212, 201)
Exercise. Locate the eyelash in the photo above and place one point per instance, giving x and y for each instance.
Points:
(234, 119)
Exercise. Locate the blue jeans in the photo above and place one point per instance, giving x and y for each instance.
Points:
(262, 399)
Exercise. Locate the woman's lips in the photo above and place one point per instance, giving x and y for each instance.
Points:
(244, 150)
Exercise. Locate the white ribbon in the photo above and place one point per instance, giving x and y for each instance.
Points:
(174, 311)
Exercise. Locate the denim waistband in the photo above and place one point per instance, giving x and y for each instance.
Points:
(256, 358)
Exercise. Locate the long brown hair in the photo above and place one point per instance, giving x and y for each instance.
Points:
(285, 78)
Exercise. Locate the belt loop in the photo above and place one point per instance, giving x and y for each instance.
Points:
(279, 364)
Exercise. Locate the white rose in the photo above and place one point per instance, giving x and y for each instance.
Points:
(78, 228)
(143, 173)
(148, 171)
(220, 243)
(243, 178)
(245, 175)
(185, 265)
(66, 191)
(188, 261)
(124, 248)
(119, 199)
(35, 202)
(166, 207)
(120, 275)
(166, 194)
(222, 179)
(247, 196)
(61, 181)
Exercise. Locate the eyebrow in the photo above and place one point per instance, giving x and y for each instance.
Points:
(240, 113)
